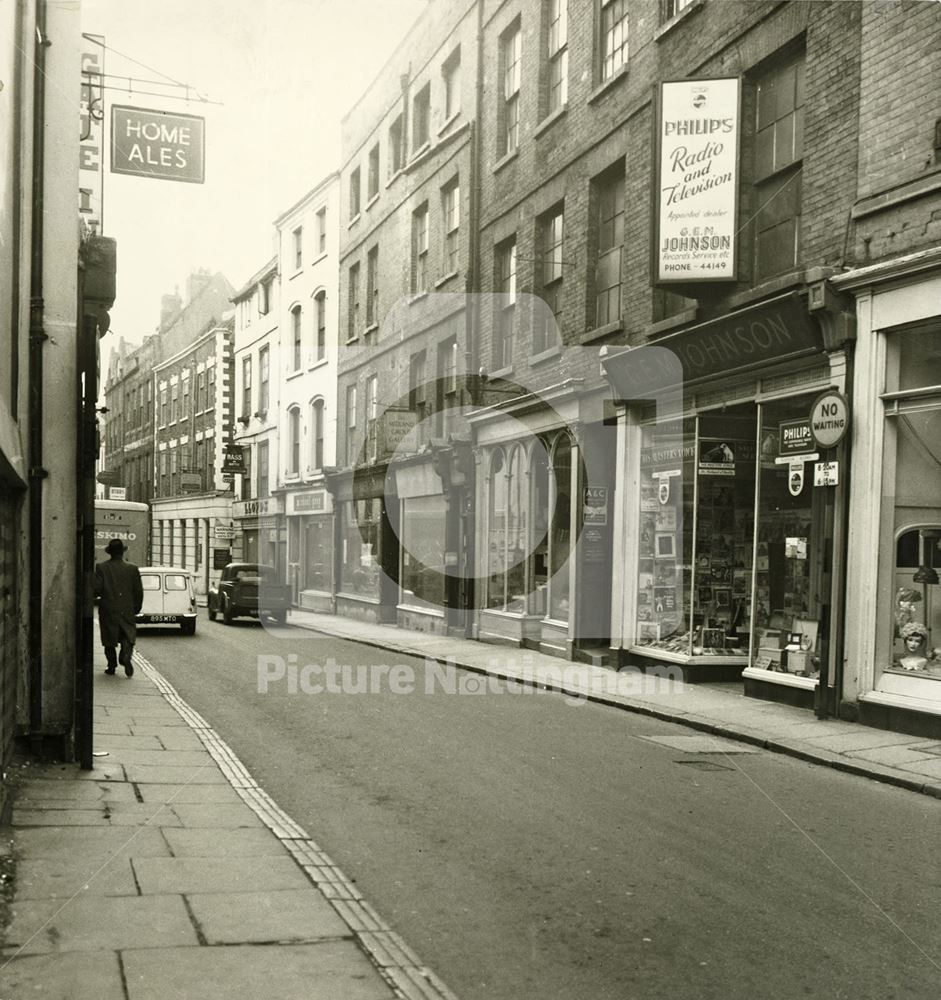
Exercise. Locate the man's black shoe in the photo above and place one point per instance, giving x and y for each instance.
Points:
(110, 670)
(129, 669)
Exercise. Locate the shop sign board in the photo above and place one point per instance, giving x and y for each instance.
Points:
(829, 418)
(117, 493)
(696, 191)
(794, 437)
(224, 531)
(107, 477)
(150, 143)
(313, 502)
(191, 482)
(395, 425)
(795, 478)
(826, 473)
(256, 508)
(221, 558)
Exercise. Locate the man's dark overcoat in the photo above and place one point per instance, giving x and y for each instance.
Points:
(121, 596)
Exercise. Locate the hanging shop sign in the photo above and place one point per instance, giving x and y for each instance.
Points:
(795, 478)
(829, 418)
(233, 460)
(696, 194)
(150, 143)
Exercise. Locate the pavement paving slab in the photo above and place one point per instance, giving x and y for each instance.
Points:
(894, 756)
(207, 774)
(73, 975)
(85, 792)
(92, 923)
(221, 815)
(64, 877)
(249, 842)
(178, 793)
(89, 843)
(258, 917)
(61, 817)
(163, 875)
(331, 970)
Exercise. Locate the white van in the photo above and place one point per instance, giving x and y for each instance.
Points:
(169, 598)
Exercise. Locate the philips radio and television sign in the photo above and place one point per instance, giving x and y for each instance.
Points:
(158, 144)
(696, 195)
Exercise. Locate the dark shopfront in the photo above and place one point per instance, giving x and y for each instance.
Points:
(367, 549)
(726, 541)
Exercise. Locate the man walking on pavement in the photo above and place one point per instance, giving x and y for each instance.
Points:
(121, 595)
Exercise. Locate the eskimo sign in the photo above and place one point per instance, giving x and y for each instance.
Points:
(697, 180)
(158, 144)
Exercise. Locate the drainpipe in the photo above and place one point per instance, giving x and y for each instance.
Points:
(37, 337)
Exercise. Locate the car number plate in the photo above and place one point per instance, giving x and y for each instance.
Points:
(163, 618)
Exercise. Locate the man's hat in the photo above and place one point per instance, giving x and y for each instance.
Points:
(115, 545)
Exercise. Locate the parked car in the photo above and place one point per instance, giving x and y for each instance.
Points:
(249, 589)
(169, 598)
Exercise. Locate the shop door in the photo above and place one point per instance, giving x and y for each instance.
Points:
(793, 540)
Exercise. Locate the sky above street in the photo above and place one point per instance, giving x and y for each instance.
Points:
(285, 72)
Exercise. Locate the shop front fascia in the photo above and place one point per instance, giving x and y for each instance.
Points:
(365, 542)
(310, 525)
(732, 555)
(544, 521)
(261, 532)
(893, 650)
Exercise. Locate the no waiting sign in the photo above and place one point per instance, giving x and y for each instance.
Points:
(158, 144)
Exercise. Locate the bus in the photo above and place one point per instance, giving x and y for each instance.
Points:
(128, 521)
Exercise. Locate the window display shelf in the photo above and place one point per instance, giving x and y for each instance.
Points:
(787, 680)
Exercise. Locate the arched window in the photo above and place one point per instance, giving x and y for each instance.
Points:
(316, 427)
(296, 328)
(294, 440)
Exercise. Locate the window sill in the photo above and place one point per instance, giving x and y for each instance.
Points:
(393, 177)
(321, 256)
(505, 159)
(448, 122)
(319, 363)
(918, 187)
(417, 609)
(372, 328)
(372, 201)
(500, 373)
(450, 276)
(419, 154)
(550, 120)
(353, 219)
(601, 332)
(417, 297)
(547, 355)
(608, 84)
(353, 339)
(672, 322)
(294, 374)
(677, 19)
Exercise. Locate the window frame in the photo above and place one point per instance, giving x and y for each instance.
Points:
(510, 76)
(420, 244)
(264, 378)
(372, 287)
(505, 276)
(614, 38)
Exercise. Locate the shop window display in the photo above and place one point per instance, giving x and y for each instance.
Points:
(913, 477)
(359, 530)
(424, 521)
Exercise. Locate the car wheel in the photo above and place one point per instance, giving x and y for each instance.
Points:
(227, 615)
(189, 627)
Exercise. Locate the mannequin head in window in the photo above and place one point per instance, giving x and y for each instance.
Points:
(914, 635)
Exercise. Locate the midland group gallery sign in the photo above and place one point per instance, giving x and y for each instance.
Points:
(696, 193)
(158, 144)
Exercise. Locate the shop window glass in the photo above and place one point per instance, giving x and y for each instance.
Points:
(913, 449)
(507, 534)
(359, 534)
(540, 500)
(560, 535)
(424, 522)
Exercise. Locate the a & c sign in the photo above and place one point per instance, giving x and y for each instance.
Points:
(158, 144)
